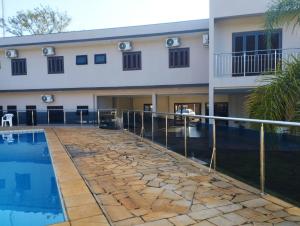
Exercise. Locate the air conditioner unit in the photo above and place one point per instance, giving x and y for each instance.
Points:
(205, 39)
(48, 51)
(124, 46)
(47, 98)
(11, 53)
(172, 42)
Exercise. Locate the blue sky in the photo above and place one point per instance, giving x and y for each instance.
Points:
(92, 14)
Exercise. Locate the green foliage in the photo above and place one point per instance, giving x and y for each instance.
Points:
(279, 97)
(283, 12)
(40, 20)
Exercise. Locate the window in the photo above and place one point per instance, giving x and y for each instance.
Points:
(81, 60)
(179, 58)
(56, 65)
(18, 67)
(258, 54)
(100, 58)
(31, 115)
(1, 111)
(132, 61)
(84, 109)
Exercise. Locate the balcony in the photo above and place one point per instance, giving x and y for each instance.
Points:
(252, 63)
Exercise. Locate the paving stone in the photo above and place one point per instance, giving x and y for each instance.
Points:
(129, 222)
(294, 211)
(163, 222)
(255, 203)
(182, 220)
(204, 223)
(118, 213)
(204, 214)
(153, 216)
(230, 208)
(220, 221)
(138, 184)
(273, 207)
(287, 223)
(235, 218)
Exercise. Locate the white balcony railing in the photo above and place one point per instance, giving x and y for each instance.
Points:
(251, 63)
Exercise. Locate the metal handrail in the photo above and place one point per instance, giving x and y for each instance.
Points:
(213, 162)
(258, 51)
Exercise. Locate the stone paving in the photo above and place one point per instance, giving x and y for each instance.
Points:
(137, 184)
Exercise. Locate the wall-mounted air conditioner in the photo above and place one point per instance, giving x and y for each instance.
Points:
(205, 39)
(172, 42)
(47, 98)
(124, 46)
(48, 51)
(11, 53)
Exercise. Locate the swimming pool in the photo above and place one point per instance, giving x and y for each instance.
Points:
(28, 188)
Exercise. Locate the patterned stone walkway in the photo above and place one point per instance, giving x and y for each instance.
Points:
(137, 184)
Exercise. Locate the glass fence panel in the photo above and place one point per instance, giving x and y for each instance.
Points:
(72, 117)
(125, 120)
(131, 121)
(176, 134)
(56, 116)
(148, 125)
(237, 151)
(138, 123)
(108, 119)
(199, 140)
(41, 117)
(282, 163)
(159, 129)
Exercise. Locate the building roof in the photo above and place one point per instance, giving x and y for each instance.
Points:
(118, 33)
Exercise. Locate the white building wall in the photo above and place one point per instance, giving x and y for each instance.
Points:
(155, 67)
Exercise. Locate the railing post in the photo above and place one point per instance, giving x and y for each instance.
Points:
(65, 117)
(32, 118)
(244, 63)
(185, 138)
(81, 117)
(134, 122)
(166, 131)
(262, 159)
(275, 62)
(122, 119)
(48, 117)
(142, 132)
(213, 160)
(128, 121)
(152, 125)
(214, 145)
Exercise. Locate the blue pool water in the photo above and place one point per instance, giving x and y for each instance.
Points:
(28, 191)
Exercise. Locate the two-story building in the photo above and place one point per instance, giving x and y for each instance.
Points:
(163, 67)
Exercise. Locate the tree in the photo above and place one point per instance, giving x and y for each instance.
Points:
(283, 12)
(40, 20)
(279, 98)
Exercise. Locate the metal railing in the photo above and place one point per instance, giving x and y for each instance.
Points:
(100, 117)
(251, 63)
(221, 136)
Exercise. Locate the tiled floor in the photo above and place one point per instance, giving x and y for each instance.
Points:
(136, 184)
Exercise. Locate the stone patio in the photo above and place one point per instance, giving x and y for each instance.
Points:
(137, 184)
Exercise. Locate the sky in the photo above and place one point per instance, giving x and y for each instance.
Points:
(93, 14)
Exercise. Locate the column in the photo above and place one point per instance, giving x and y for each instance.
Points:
(154, 102)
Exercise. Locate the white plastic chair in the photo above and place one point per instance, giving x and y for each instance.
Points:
(7, 118)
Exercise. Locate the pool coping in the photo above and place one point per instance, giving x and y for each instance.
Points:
(78, 203)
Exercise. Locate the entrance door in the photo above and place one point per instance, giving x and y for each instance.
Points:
(31, 115)
(253, 55)
(56, 114)
(220, 109)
